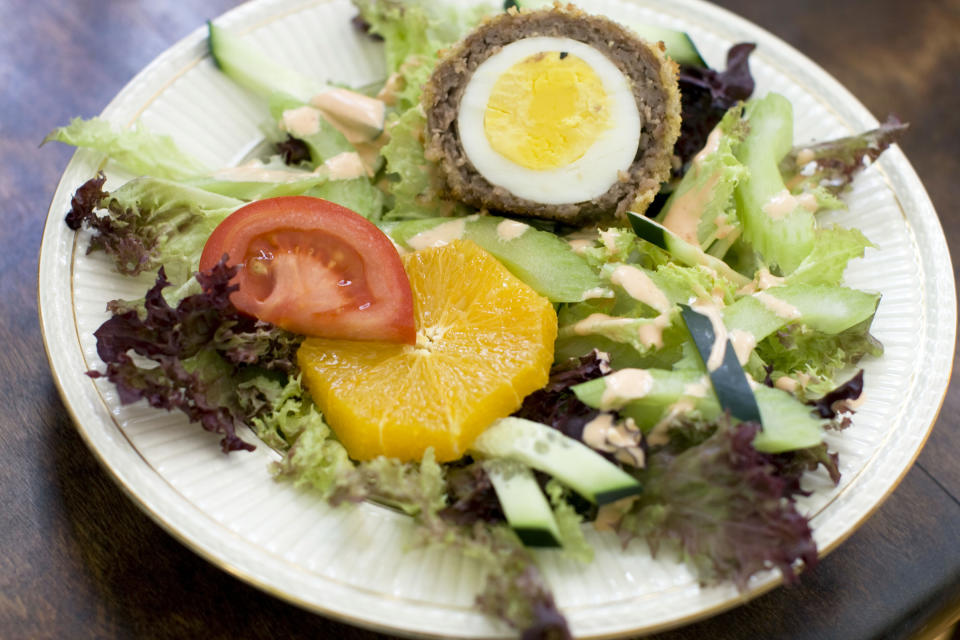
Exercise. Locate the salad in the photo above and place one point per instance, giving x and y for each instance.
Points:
(662, 368)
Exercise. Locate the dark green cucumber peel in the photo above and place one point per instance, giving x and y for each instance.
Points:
(525, 507)
(655, 233)
(689, 254)
(729, 380)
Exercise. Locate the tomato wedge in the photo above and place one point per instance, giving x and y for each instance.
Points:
(315, 268)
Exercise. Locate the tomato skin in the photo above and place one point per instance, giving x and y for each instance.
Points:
(315, 268)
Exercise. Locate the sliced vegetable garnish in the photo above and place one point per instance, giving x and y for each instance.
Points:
(569, 461)
(523, 503)
(728, 378)
(691, 255)
(315, 268)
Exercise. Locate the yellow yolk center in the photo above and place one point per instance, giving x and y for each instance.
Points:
(546, 111)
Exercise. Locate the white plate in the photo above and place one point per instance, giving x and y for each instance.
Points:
(350, 564)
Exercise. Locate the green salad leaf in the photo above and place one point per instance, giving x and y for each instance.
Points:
(137, 150)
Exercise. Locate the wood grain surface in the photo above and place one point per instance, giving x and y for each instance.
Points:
(80, 560)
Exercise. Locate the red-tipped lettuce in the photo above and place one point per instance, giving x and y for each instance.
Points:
(199, 347)
(727, 508)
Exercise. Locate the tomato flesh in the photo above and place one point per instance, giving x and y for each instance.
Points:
(315, 268)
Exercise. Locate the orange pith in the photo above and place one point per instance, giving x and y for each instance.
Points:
(484, 341)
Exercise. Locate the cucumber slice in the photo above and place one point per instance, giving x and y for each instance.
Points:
(250, 67)
(691, 255)
(526, 508)
(678, 44)
(829, 309)
(729, 381)
(774, 222)
(569, 461)
(539, 258)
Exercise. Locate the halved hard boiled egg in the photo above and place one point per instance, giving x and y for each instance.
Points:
(555, 114)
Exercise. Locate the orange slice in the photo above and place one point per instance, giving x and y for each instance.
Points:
(484, 341)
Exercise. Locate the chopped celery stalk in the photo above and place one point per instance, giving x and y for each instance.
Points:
(777, 224)
(689, 254)
(542, 260)
(569, 461)
(526, 508)
(660, 388)
(822, 308)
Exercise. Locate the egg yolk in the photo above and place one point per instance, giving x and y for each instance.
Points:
(546, 111)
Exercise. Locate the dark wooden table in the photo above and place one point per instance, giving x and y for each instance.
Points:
(79, 560)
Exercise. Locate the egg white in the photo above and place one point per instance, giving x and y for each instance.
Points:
(588, 177)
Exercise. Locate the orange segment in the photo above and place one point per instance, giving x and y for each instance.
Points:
(484, 341)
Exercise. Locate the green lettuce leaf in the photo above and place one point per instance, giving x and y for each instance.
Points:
(796, 349)
(418, 27)
(414, 182)
(137, 150)
(167, 222)
(568, 520)
(701, 209)
(832, 251)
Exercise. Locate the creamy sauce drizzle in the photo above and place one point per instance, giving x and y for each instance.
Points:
(786, 383)
(610, 514)
(620, 387)
(783, 203)
(442, 234)
(388, 94)
(712, 146)
(609, 239)
(686, 209)
(782, 308)
(762, 280)
(640, 287)
(743, 344)
(597, 292)
(651, 333)
(804, 156)
(579, 245)
(697, 389)
(724, 226)
(511, 230)
(658, 434)
(356, 116)
(719, 347)
(301, 122)
(254, 171)
(623, 439)
(345, 166)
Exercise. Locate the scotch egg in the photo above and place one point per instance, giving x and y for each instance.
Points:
(554, 114)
